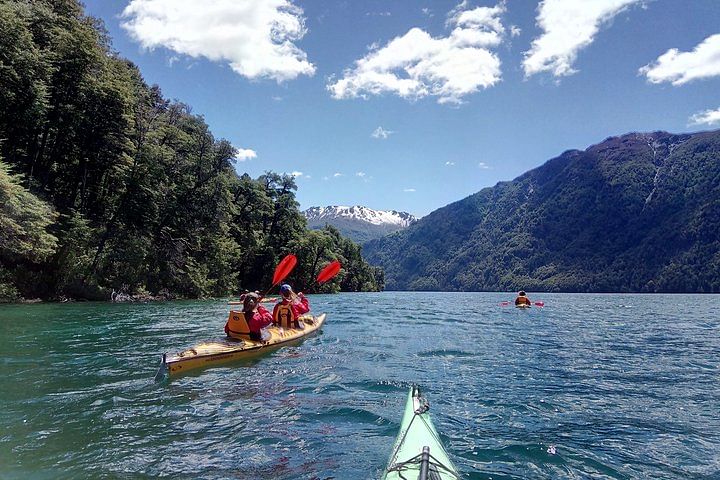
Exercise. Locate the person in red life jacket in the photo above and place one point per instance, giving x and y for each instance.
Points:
(255, 317)
(522, 299)
(288, 311)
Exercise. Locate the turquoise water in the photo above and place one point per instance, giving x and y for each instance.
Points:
(618, 386)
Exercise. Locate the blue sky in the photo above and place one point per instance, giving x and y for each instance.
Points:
(411, 105)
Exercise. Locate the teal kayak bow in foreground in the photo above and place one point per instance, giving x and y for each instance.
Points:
(418, 452)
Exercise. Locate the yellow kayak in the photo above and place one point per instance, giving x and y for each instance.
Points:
(216, 352)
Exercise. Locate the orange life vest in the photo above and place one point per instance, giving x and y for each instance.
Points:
(284, 316)
(237, 325)
(522, 301)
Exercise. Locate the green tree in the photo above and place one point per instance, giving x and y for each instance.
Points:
(24, 237)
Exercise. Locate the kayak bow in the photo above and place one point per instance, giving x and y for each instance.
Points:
(215, 352)
(418, 451)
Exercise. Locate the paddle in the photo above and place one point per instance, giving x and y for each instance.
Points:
(328, 272)
(537, 304)
(283, 269)
(263, 300)
(286, 266)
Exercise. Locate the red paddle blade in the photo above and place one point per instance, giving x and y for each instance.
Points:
(284, 268)
(504, 304)
(329, 272)
(539, 304)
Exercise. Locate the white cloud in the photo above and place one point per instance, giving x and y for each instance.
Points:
(245, 154)
(708, 117)
(360, 174)
(408, 190)
(483, 166)
(417, 65)
(683, 67)
(380, 132)
(255, 36)
(568, 27)
(338, 174)
(428, 12)
(296, 174)
(449, 164)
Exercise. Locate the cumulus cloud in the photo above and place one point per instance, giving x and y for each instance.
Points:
(449, 163)
(338, 174)
(380, 132)
(483, 166)
(568, 26)
(708, 117)
(254, 36)
(360, 174)
(408, 190)
(417, 65)
(296, 174)
(245, 154)
(683, 67)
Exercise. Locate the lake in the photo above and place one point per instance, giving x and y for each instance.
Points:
(590, 386)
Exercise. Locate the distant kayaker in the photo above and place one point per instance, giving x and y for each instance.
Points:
(522, 299)
(288, 311)
(255, 317)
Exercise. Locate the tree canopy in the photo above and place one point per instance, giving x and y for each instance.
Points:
(117, 188)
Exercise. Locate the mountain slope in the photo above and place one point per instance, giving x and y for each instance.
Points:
(358, 223)
(640, 212)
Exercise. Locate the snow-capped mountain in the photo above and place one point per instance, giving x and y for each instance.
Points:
(359, 223)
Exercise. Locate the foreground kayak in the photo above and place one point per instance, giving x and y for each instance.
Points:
(418, 453)
(216, 352)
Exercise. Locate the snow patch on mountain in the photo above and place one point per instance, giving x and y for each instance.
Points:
(358, 222)
(365, 214)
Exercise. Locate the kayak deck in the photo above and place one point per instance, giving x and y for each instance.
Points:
(418, 451)
(215, 352)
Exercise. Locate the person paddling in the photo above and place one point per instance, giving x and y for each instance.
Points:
(251, 322)
(287, 312)
(522, 299)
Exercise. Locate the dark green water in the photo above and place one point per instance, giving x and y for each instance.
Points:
(622, 386)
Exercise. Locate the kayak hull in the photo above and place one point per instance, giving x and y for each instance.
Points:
(217, 352)
(417, 433)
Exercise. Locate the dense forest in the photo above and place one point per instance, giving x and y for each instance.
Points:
(107, 185)
(636, 213)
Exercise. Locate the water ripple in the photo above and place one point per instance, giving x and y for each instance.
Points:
(591, 386)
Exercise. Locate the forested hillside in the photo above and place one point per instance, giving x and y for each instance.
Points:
(637, 213)
(106, 185)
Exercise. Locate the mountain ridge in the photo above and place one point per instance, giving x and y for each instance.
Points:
(634, 212)
(357, 222)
